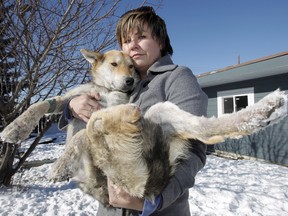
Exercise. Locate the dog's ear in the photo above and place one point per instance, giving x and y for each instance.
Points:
(91, 57)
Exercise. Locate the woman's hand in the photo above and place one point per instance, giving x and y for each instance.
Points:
(84, 105)
(121, 199)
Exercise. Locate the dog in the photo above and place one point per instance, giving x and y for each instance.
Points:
(139, 153)
(113, 77)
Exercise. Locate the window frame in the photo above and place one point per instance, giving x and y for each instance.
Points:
(233, 94)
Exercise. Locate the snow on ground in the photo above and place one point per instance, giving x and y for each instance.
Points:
(242, 187)
(223, 187)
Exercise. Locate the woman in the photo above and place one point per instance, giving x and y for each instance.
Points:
(142, 34)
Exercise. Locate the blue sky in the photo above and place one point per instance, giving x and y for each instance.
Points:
(207, 35)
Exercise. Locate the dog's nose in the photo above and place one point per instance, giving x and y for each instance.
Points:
(129, 81)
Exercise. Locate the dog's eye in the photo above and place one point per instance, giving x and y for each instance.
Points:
(114, 64)
(131, 66)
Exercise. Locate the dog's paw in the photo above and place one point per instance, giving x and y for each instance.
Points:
(270, 109)
(277, 105)
(59, 172)
(21, 127)
(17, 131)
(59, 177)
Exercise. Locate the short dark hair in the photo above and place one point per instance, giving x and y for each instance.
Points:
(137, 18)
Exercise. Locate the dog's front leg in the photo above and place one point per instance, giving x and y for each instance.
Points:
(22, 126)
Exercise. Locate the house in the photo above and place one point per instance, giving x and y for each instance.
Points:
(233, 88)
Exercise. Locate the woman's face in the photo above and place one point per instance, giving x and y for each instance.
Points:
(142, 48)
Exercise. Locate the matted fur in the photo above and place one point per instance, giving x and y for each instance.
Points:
(140, 153)
(113, 75)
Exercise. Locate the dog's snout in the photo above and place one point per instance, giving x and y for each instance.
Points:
(129, 81)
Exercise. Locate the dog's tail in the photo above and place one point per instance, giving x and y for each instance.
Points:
(267, 111)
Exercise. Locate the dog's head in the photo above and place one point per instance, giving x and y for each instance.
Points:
(117, 121)
(113, 70)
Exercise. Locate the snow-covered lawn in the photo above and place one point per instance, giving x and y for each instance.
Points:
(223, 187)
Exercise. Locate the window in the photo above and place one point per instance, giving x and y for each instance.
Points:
(234, 103)
(241, 102)
(230, 101)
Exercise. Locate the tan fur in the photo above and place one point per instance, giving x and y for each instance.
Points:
(118, 141)
(111, 142)
(117, 136)
(113, 76)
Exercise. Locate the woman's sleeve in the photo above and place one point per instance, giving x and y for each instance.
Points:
(66, 116)
(183, 90)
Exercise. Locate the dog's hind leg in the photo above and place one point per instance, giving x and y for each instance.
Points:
(68, 163)
(77, 162)
(91, 179)
(174, 121)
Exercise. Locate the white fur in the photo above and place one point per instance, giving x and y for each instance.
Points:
(270, 109)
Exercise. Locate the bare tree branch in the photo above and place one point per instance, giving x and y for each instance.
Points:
(40, 42)
(47, 38)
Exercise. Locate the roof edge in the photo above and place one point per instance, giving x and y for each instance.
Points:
(244, 64)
